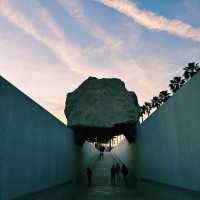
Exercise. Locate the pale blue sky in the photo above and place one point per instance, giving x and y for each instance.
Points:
(48, 47)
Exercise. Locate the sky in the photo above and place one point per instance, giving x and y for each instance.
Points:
(49, 47)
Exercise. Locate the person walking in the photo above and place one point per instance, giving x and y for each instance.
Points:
(124, 171)
(117, 169)
(89, 176)
(101, 152)
(113, 172)
(100, 155)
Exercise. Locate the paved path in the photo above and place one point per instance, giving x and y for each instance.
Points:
(102, 189)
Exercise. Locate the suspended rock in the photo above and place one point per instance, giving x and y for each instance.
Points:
(102, 108)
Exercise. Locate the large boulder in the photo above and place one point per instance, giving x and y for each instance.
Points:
(101, 108)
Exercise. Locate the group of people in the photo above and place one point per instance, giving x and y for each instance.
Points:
(115, 173)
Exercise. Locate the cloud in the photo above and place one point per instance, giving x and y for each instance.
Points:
(100, 61)
(48, 82)
(32, 27)
(39, 24)
(76, 10)
(43, 28)
(153, 21)
(37, 76)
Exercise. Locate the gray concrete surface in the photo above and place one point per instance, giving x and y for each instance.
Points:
(101, 184)
(168, 142)
(101, 188)
(37, 151)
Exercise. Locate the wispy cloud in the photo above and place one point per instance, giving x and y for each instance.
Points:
(153, 21)
(76, 10)
(46, 83)
(44, 29)
(47, 76)
(33, 28)
(108, 62)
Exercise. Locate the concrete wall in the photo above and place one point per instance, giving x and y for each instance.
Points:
(85, 157)
(37, 151)
(168, 144)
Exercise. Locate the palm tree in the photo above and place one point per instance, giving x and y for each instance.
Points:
(164, 96)
(197, 67)
(176, 83)
(186, 74)
(155, 102)
(190, 70)
(172, 86)
(148, 108)
(142, 112)
(179, 81)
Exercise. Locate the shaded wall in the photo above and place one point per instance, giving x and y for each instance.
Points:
(85, 157)
(37, 151)
(168, 144)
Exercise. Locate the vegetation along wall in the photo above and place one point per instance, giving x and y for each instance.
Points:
(168, 142)
(37, 151)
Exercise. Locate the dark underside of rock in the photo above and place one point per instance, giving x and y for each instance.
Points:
(100, 109)
(103, 135)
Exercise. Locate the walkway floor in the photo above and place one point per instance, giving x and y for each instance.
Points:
(101, 188)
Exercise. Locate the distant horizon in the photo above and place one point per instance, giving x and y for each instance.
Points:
(48, 48)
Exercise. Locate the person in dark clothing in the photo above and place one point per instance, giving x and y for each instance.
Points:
(100, 155)
(113, 172)
(117, 169)
(124, 171)
(89, 176)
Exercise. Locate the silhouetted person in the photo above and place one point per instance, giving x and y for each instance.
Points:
(112, 173)
(124, 171)
(117, 169)
(101, 152)
(101, 155)
(89, 176)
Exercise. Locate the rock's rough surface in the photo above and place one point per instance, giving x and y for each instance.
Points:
(103, 104)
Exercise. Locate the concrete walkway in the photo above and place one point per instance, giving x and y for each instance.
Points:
(102, 189)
